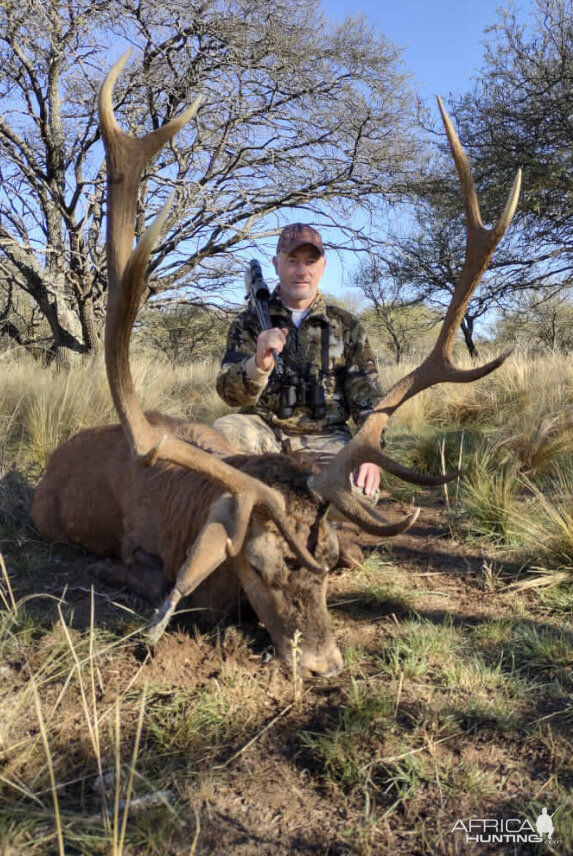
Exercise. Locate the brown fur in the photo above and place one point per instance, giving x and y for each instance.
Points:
(93, 493)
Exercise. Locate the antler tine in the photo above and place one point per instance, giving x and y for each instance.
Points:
(480, 245)
(368, 519)
(470, 199)
(437, 367)
(126, 158)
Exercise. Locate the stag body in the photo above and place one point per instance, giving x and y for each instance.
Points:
(158, 490)
(95, 494)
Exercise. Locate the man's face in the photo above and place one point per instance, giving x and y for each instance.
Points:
(299, 272)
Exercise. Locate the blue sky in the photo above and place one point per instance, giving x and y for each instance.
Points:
(442, 39)
(443, 45)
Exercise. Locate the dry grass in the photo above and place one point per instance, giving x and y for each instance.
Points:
(41, 408)
(105, 755)
(522, 391)
(207, 747)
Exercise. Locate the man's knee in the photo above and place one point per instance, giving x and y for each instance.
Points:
(249, 434)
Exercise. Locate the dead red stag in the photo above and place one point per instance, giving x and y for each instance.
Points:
(183, 511)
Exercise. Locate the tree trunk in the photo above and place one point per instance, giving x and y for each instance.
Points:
(467, 327)
(92, 331)
(66, 346)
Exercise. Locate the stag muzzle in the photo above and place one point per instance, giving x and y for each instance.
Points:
(312, 662)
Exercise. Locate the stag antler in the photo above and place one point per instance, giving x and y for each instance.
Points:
(332, 483)
(127, 157)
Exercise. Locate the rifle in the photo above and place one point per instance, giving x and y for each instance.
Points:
(258, 293)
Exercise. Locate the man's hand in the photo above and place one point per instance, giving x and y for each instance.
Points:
(269, 342)
(368, 478)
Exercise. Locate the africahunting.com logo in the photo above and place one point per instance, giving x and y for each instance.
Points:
(514, 830)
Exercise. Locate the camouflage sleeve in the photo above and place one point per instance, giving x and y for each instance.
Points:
(362, 383)
(240, 382)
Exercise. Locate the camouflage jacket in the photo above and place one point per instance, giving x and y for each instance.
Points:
(351, 384)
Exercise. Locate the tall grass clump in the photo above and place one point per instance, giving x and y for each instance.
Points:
(504, 400)
(70, 754)
(540, 446)
(488, 498)
(545, 524)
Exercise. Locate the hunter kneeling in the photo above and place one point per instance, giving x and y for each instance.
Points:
(298, 384)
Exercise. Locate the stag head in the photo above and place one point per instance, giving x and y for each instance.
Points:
(289, 598)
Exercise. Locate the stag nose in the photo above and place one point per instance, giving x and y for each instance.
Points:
(333, 669)
(323, 665)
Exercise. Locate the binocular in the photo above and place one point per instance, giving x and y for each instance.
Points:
(302, 394)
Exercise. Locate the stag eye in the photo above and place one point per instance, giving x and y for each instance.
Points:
(257, 571)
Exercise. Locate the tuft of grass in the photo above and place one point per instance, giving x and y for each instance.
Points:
(539, 446)
(488, 496)
(421, 648)
(343, 747)
(188, 721)
(558, 597)
(439, 452)
(192, 723)
(545, 524)
(483, 716)
(543, 652)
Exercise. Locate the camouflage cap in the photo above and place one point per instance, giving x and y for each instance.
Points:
(296, 235)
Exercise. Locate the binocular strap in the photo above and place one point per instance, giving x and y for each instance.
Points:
(324, 346)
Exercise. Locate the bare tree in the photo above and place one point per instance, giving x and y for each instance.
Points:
(519, 113)
(419, 266)
(397, 317)
(295, 114)
(536, 326)
(21, 323)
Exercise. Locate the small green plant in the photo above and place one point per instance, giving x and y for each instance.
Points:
(295, 657)
(490, 574)
(401, 779)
